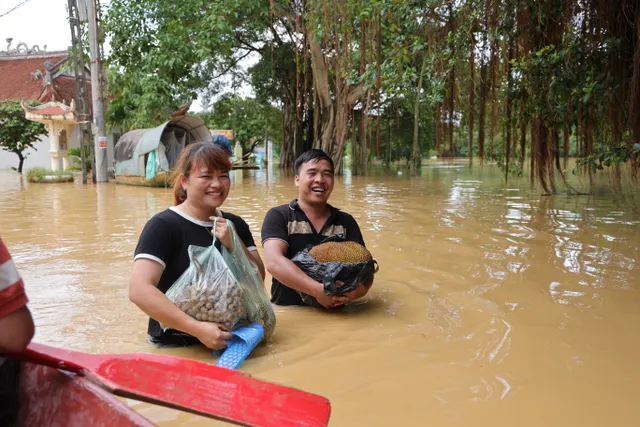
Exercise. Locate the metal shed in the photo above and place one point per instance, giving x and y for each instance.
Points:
(142, 154)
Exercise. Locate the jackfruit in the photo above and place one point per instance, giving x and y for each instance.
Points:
(346, 252)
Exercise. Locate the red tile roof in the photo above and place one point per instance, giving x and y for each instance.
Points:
(50, 111)
(65, 87)
(63, 90)
(16, 81)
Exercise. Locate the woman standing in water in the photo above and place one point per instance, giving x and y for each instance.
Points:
(201, 185)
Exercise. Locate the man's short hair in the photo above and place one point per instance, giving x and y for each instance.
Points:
(313, 155)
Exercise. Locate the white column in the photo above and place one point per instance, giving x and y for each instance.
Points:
(54, 145)
(237, 152)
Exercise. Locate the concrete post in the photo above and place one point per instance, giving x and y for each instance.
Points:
(54, 145)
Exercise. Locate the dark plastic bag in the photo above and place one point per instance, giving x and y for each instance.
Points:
(327, 273)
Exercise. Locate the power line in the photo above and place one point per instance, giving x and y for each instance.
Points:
(8, 12)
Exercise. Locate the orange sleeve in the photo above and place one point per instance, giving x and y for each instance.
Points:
(12, 299)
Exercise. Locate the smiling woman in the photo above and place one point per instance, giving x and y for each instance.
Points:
(201, 185)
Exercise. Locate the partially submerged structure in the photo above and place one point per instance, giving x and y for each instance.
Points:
(60, 121)
(33, 75)
(146, 156)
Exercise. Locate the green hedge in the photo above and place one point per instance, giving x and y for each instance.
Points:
(47, 175)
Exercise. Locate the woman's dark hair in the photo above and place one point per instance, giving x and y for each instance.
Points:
(313, 155)
(203, 154)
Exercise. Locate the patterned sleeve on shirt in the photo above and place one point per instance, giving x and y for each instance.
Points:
(12, 295)
(353, 230)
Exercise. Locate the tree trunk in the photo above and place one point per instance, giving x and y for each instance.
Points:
(634, 90)
(472, 95)
(493, 71)
(21, 162)
(534, 149)
(354, 144)
(507, 144)
(523, 136)
(364, 135)
(483, 110)
(389, 143)
(378, 63)
(334, 112)
(287, 149)
(508, 106)
(452, 84)
(415, 152)
(566, 135)
(438, 129)
(493, 117)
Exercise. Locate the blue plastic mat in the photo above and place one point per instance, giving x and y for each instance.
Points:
(242, 343)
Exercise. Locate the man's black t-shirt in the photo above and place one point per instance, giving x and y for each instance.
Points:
(290, 224)
(165, 239)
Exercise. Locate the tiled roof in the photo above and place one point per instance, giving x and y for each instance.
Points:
(63, 90)
(51, 111)
(65, 87)
(16, 81)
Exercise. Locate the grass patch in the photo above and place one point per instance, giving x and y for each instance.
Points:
(42, 175)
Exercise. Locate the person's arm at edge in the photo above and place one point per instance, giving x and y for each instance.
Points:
(16, 330)
(16, 323)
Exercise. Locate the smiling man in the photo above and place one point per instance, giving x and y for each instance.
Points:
(307, 220)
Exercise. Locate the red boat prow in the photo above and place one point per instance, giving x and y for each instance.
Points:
(53, 398)
(65, 388)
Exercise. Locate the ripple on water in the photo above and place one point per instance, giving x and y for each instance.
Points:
(491, 301)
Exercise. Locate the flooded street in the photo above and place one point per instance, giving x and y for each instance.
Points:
(493, 305)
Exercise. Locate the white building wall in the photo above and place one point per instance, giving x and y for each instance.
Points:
(39, 155)
(36, 158)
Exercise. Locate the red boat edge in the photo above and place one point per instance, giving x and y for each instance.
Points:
(50, 397)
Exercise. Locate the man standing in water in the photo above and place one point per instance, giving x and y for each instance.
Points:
(16, 332)
(307, 220)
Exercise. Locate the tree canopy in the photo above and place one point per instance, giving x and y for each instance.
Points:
(499, 80)
(17, 134)
(252, 122)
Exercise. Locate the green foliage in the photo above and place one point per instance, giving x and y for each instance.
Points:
(560, 82)
(250, 120)
(397, 129)
(562, 72)
(608, 154)
(273, 77)
(76, 157)
(17, 134)
(163, 53)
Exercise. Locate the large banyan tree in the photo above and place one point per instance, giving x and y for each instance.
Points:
(551, 70)
(338, 56)
(525, 83)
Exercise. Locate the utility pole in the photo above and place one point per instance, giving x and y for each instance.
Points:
(99, 129)
(78, 15)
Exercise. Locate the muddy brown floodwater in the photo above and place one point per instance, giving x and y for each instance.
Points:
(493, 306)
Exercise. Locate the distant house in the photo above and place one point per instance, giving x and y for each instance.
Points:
(33, 75)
